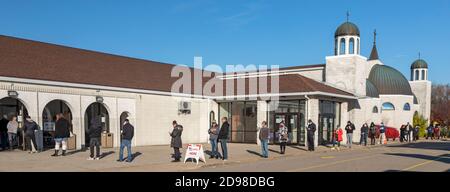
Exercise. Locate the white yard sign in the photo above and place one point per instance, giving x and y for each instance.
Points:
(195, 151)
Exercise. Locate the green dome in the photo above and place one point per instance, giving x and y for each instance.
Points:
(371, 90)
(347, 28)
(419, 63)
(389, 81)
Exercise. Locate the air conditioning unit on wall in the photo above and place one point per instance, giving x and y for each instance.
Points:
(184, 107)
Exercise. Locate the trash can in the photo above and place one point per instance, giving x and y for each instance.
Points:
(72, 142)
(107, 140)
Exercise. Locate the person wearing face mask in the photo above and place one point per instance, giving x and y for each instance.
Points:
(127, 136)
(310, 132)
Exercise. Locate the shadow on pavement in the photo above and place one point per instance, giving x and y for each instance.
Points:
(105, 154)
(442, 158)
(254, 153)
(274, 151)
(426, 145)
(134, 155)
(76, 151)
(297, 147)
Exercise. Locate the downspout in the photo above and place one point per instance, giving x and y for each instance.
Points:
(306, 107)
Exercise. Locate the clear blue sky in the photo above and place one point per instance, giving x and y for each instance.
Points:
(223, 32)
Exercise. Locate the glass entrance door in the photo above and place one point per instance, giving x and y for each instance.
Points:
(326, 129)
(291, 120)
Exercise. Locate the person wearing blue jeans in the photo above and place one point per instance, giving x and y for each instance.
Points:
(127, 136)
(349, 128)
(264, 138)
(213, 133)
(223, 137)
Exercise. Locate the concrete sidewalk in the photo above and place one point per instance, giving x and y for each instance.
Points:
(148, 158)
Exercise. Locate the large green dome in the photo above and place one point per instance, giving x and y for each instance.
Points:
(347, 28)
(389, 81)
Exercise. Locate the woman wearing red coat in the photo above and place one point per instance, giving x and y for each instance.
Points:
(337, 136)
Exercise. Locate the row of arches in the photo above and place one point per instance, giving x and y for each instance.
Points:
(345, 46)
(388, 106)
(419, 74)
(14, 107)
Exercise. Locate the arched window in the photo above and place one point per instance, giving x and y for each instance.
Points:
(423, 74)
(417, 75)
(388, 106)
(407, 107)
(336, 47)
(375, 109)
(357, 44)
(352, 46)
(342, 47)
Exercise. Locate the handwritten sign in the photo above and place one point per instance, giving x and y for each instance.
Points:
(195, 151)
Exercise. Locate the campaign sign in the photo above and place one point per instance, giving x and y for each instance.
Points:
(195, 151)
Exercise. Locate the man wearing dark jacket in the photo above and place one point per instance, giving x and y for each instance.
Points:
(311, 134)
(176, 142)
(4, 132)
(349, 129)
(62, 133)
(29, 129)
(127, 136)
(223, 137)
(95, 132)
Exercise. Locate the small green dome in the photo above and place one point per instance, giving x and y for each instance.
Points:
(419, 63)
(389, 81)
(347, 28)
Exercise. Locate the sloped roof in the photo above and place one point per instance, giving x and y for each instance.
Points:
(29, 59)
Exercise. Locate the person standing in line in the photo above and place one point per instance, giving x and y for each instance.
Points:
(29, 129)
(349, 130)
(223, 137)
(283, 137)
(213, 132)
(373, 133)
(264, 138)
(430, 132)
(127, 136)
(4, 132)
(382, 133)
(338, 138)
(416, 133)
(311, 129)
(402, 133)
(409, 132)
(364, 134)
(437, 132)
(176, 142)
(12, 126)
(95, 132)
(62, 133)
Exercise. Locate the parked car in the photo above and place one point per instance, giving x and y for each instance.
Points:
(391, 132)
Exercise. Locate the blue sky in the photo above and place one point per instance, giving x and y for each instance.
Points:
(285, 33)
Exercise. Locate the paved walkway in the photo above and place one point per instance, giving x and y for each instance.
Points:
(150, 158)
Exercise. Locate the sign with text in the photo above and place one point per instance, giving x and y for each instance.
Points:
(195, 151)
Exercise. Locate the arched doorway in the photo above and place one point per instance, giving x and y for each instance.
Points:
(96, 109)
(124, 115)
(49, 118)
(12, 107)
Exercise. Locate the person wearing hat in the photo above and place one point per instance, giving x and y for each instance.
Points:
(213, 132)
(311, 132)
(176, 142)
(29, 129)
